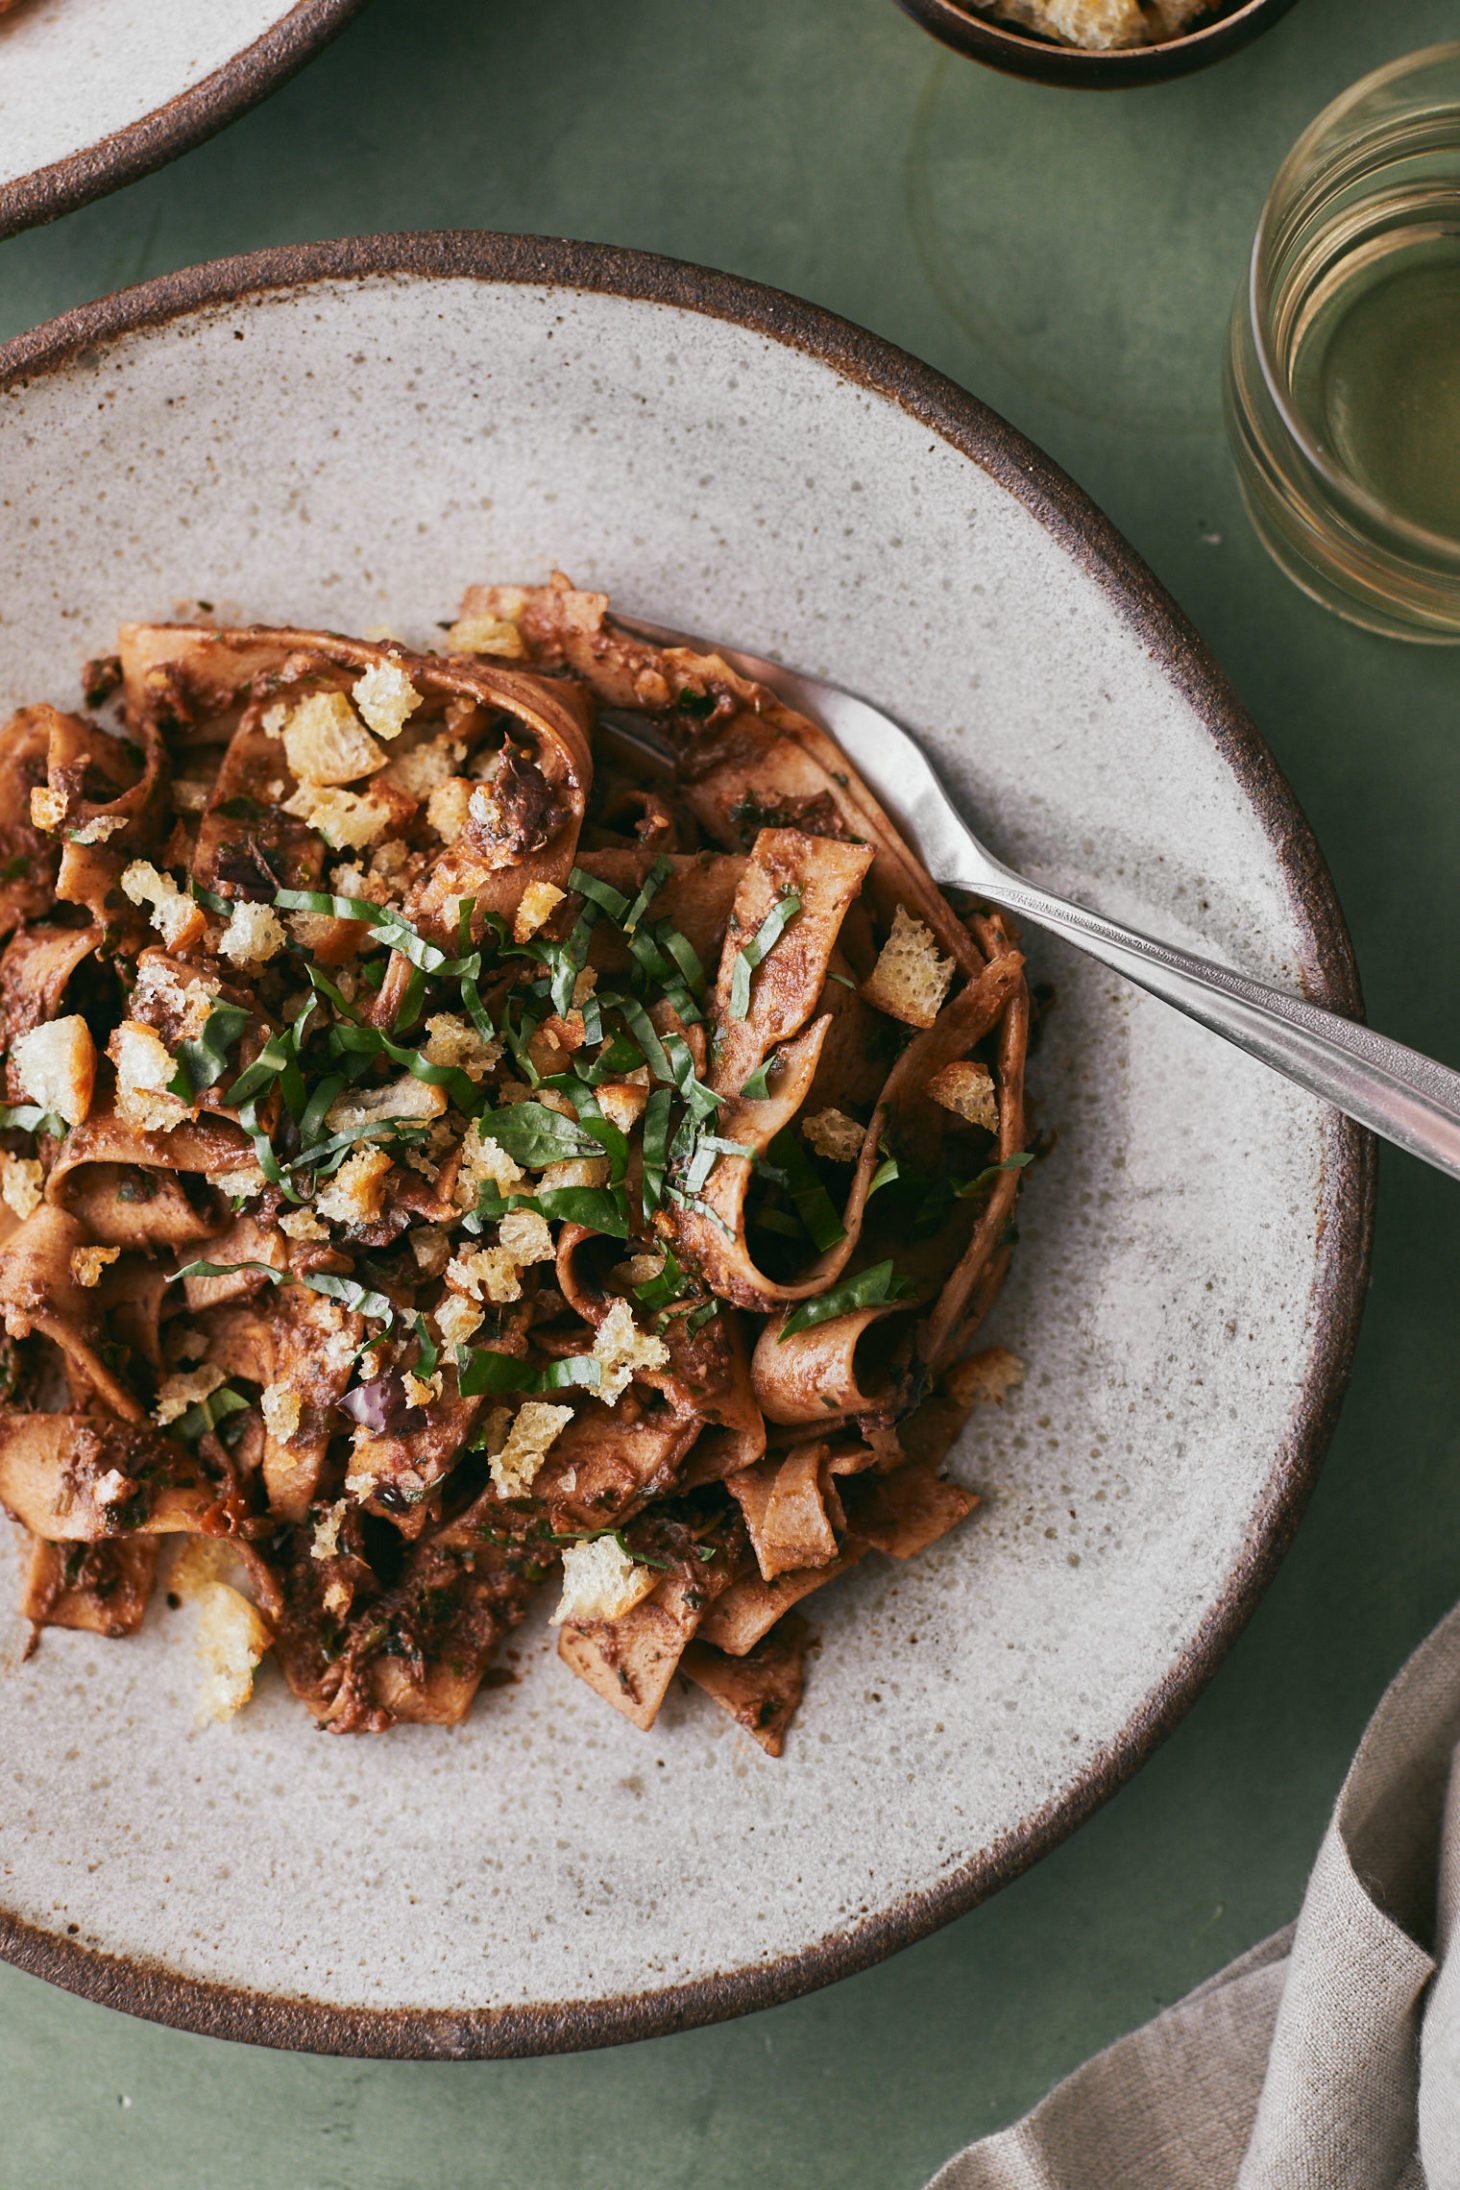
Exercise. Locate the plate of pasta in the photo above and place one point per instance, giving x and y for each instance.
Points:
(568, 1315)
(95, 93)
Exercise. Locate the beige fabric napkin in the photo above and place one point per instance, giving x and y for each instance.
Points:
(1328, 2058)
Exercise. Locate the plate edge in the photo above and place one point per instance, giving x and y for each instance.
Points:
(182, 122)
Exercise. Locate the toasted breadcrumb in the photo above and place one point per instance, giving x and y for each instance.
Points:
(253, 936)
(361, 1109)
(421, 1390)
(487, 635)
(99, 829)
(492, 1435)
(161, 999)
(113, 1488)
(302, 1224)
(312, 930)
(622, 1104)
(232, 1638)
(535, 1428)
(356, 1193)
(577, 1171)
(188, 794)
(455, 1041)
(525, 1236)
(177, 919)
(418, 772)
(448, 809)
(538, 903)
(47, 807)
(56, 1066)
(144, 1067)
(488, 1273)
(909, 980)
(600, 1582)
(988, 1376)
(325, 741)
(386, 698)
(347, 820)
(281, 1410)
(968, 1091)
(184, 1389)
(87, 1263)
(326, 1541)
(246, 1180)
(1101, 26)
(834, 1135)
(485, 1162)
(620, 1348)
(457, 1317)
(22, 1183)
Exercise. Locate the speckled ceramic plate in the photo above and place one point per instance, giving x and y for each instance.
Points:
(94, 93)
(345, 436)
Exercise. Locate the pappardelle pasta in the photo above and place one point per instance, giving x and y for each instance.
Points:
(478, 1121)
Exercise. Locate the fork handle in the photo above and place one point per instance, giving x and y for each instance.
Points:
(1396, 1092)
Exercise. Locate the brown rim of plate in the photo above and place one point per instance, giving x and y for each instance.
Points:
(179, 124)
(1019, 53)
(143, 1987)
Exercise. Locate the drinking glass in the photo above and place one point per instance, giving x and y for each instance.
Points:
(1343, 371)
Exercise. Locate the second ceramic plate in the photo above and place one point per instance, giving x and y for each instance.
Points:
(346, 436)
(94, 93)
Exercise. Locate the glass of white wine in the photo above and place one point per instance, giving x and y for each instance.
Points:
(1343, 375)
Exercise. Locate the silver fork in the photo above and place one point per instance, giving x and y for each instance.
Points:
(1396, 1092)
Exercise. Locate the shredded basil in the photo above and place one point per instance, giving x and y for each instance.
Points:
(670, 1284)
(969, 1187)
(869, 1288)
(351, 1294)
(483, 1371)
(430, 1352)
(207, 1414)
(30, 1118)
(654, 882)
(226, 1269)
(370, 1042)
(811, 1201)
(202, 1064)
(602, 894)
(766, 936)
(655, 1148)
(535, 1136)
(886, 1171)
(389, 925)
(597, 1208)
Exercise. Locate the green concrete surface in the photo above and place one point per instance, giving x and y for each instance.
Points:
(1070, 258)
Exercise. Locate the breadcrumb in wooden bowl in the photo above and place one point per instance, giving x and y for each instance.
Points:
(1095, 44)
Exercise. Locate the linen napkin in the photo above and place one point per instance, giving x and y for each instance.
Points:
(1328, 2057)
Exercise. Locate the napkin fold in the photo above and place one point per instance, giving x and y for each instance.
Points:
(1328, 2057)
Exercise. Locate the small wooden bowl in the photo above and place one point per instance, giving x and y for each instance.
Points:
(1019, 53)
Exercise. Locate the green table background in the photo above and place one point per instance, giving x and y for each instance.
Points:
(1069, 257)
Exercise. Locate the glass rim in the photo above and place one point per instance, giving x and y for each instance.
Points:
(1438, 546)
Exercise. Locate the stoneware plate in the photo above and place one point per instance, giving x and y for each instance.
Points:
(346, 435)
(94, 93)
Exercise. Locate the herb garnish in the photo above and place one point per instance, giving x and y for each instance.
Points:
(869, 1288)
(751, 955)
